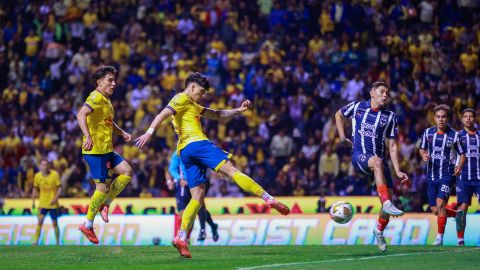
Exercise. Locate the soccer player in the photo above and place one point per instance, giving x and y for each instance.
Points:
(371, 125)
(46, 183)
(95, 119)
(436, 147)
(469, 181)
(183, 196)
(198, 153)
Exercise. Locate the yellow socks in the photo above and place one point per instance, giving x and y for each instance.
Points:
(97, 200)
(249, 185)
(37, 234)
(117, 186)
(188, 218)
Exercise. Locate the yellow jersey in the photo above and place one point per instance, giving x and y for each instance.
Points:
(186, 120)
(47, 186)
(100, 123)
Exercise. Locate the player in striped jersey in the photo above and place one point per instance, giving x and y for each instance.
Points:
(371, 125)
(469, 181)
(437, 147)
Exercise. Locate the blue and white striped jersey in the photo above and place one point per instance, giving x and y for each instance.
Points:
(470, 146)
(440, 145)
(370, 127)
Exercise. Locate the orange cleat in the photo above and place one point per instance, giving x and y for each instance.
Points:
(280, 207)
(89, 233)
(104, 212)
(182, 247)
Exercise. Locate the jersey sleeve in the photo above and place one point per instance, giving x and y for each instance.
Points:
(173, 167)
(424, 141)
(457, 144)
(178, 103)
(392, 127)
(348, 109)
(93, 101)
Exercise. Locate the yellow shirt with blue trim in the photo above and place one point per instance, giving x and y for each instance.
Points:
(100, 123)
(47, 185)
(186, 120)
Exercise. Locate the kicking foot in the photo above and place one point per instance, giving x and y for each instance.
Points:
(89, 233)
(389, 208)
(381, 243)
(182, 247)
(104, 212)
(280, 207)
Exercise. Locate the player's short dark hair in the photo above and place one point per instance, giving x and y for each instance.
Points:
(378, 84)
(102, 71)
(442, 107)
(198, 78)
(470, 110)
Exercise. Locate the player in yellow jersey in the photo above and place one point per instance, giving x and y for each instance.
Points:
(198, 153)
(95, 119)
(46, 184)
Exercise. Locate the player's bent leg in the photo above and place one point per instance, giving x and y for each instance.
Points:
(248, 184)
(376, 165)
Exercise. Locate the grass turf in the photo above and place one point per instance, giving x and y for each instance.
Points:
(242, 257)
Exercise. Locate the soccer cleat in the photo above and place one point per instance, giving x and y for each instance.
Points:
(381, 243)
(389, 208)
(438, 241)
(89, 233)
(202, 235)
(461, 243)
(215, 232)
(459, 220)
(104, 212)
(280, 207)
(182, 247)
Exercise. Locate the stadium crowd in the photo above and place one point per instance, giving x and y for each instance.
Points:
(298, 61)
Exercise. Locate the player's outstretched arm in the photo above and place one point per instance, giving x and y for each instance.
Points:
(120, 132)
(393, 147)
(82, 122)
(340, 122)
(164, 114)
(226, 114)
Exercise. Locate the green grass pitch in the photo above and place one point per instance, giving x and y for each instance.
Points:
(241, 258)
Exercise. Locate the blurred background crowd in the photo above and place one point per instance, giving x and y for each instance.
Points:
(298, 61)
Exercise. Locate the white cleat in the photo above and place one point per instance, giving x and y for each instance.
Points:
(389, 208)
(438, 241)
(381, 243)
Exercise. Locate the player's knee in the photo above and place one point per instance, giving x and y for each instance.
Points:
(377, 163)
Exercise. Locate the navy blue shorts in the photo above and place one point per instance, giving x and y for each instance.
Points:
(360, 164)
(197, 157)
(53, 212)
(101, 164)
(439, 189)
(465, 191)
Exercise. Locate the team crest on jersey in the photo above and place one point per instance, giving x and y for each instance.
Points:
(449, 142)
(362, 158)
(383, 120)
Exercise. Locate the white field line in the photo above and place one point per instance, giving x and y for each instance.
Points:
(352, 259)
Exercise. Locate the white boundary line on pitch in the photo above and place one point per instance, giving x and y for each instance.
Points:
(353, 259)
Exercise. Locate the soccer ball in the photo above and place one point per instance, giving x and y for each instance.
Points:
(341, 212)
